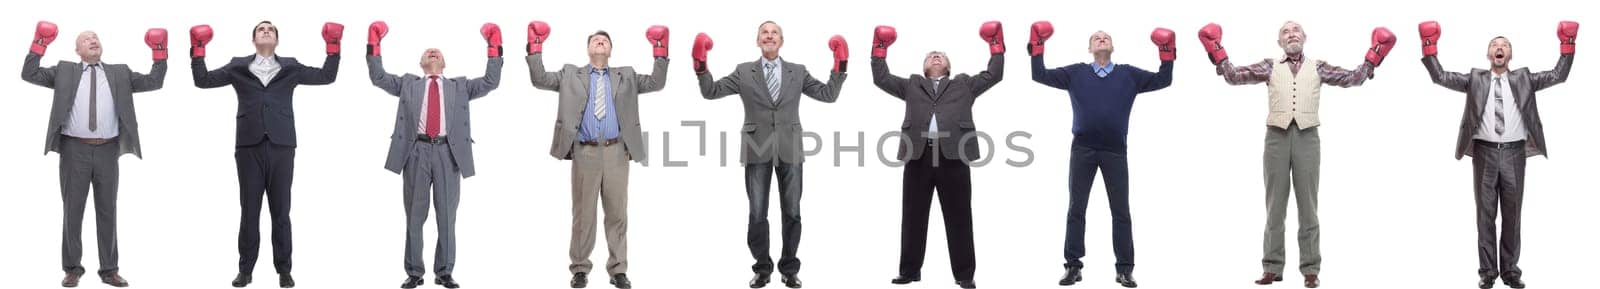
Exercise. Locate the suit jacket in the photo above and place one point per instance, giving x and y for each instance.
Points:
(265, 111)
(771, 131)
(572, 83)
(1477, 84)
(64, 78)
(952, 103)
(455, 94)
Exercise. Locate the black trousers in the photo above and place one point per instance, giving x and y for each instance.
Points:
(757, 185)
(1080, 179)
(952, 179)
(264, 169)
(1498, 170)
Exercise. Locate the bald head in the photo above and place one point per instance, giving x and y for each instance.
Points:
(88, 47)
(432, 61)
(1291, 37)
(1100, 43)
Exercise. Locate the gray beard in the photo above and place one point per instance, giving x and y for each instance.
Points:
(1293, 48)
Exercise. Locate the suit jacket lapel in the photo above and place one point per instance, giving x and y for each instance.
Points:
(283, 71)
(790, 79)
(244, 68)
(74, 78)
(1518, 79)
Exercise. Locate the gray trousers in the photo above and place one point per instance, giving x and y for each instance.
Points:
(599, 175)
(83, 165)
(1293, 157)
(431, 166)
(1498, 172)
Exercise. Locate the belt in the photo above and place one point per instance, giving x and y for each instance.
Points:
(1500, 145)
(608, 142)
(432, 140)
(92, 141)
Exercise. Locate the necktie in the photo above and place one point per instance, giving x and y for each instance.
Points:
(432, 128)
(600, 97)
(772, 81)
(94, 97)
(1499, 109)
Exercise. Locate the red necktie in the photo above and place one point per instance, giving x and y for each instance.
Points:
(433, 107)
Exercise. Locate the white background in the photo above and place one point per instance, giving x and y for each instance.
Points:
(1396, 208)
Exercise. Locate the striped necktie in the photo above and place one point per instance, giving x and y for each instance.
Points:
(1499, 110)
(772, 81)
(600, 98)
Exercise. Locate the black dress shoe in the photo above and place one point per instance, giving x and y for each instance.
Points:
(580, 280)
(285, 281)
(967, 284)
(241, 280)
(621, 281)
(411, 282)
(1513, 280)
(71, 280)
(446, 281)
(1486, 281)
(791, 280)
(1074, 274)
(760, 281)
(903, 280)
(1126, 279)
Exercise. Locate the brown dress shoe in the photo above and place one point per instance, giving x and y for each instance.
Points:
(115, 280)
(71, 280)
(1311, 281)
(1268, 278)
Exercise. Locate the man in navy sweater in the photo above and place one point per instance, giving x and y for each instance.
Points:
(1102, 99)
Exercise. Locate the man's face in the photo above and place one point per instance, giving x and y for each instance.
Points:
(1100, 42)
(1499, 52)
(1291, 38)
(88, 45)
(769, 37)
(266, 34)
(600, 45)
(432, 61)
(936, 65)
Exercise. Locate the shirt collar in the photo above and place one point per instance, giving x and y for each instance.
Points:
(1295, 58)
(776, 62)
(272, 59)
(86, 66)
(1098, 68)
(598, 70)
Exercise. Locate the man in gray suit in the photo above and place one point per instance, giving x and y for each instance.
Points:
(92, 124)
(431, 147)
(770, 88)
(597, 128)
(1500, 129)
(938, 142)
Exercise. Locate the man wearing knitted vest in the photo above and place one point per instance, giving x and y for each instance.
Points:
(1293, 148)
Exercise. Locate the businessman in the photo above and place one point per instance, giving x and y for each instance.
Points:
(1293, 150)
(431, 148)
(264, 142)
(937, 143)
(92, 124)
(1102, 96)
(1500, 130)
(770, 88)
(597, 128)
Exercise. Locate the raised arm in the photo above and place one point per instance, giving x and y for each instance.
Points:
(44, 33)
(381, 78)
(829, 92)
(1148, 81)
(1337, 76)
(156, 38)
(199, 35)
(331, 34)
(538, 31)
(1568, 32)
(992, 35)
(479, 87)
(882, 37)
(1058, 77)
(709, 89)
(657, 36)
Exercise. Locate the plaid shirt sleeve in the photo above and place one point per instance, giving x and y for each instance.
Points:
(1336, 76)
(1252, 74)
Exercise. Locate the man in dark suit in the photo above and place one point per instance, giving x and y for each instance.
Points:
(431, 148)
(265, 141)
(938, 142)
(92, 124)
(770, 88)
(1500, 129)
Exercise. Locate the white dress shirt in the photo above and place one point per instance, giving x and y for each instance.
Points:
(933, 123)
(422, 119)
(265, 68)
(1513, 116)
(105, 107)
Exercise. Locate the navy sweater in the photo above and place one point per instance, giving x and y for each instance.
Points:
(1101, 105)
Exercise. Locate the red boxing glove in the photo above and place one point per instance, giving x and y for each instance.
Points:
(882, 37)
(331, 33)
(156, 38)
(375, 33)
(1037, 34)
(991, 33)
(657, 35)
(1211, 38)
(1382, 41)
(491, 34)
(199, 35)
(537, 32)
(702, 44)
(1430, 36)
(1568, 32)
(841, 52)
(43, 34)
(1165, 42)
